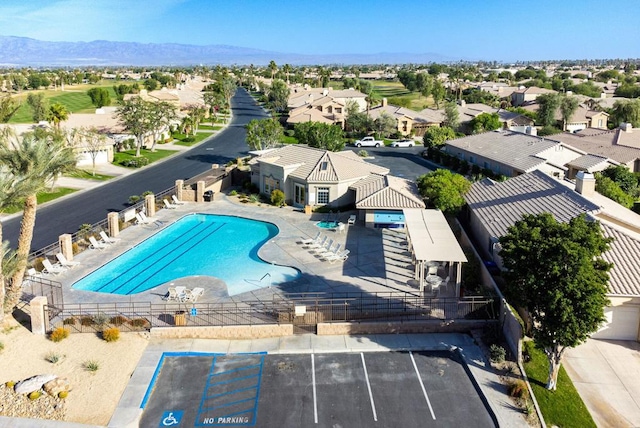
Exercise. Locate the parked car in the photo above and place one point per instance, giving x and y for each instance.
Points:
(403, 143)
(368, 142)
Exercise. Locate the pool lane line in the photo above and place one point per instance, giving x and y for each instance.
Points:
(366, 376)
(166, 255)
(148, 257)
(424, 391)
(313, 381)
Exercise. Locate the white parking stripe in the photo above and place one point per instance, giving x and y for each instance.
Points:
(424, 391)
(366, 376)
(313, 379)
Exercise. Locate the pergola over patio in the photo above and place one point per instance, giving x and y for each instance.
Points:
(431, 240)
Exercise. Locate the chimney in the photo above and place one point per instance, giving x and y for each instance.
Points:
(626, 127)
(325, 92)
(585, 183)
(384, 102)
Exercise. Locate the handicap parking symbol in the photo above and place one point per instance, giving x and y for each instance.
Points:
(171, 419)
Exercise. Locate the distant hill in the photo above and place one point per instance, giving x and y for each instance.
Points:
(23, 51)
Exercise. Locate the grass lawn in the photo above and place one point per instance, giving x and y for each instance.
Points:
(87, 175)
(385, 89)
(120, 157)
(210, 128)
(562, 407)
(42, 198)
(196, 138)
(288, 140)
(74, 98)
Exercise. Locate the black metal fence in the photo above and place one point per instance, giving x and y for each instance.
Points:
(294, 309)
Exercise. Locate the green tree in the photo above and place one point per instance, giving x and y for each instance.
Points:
(385, 125)
(215, 101)
(436, 136)
(227, 88)
(151, 84)
(100, 96)
(451, 115)
(566, 299)
(485, 122)
(264, 133)
(8, 107)
(444, 190)
(273, 68)
(547, 106)
(609, 188)
(568, 106)
(438, 92)
(320, 135)
(278, 95)
(624, 178)
(162, 114)
(37, 162)
(135, 115)
(627, 111)
(356, 122)
(39, 106)
(57, 113)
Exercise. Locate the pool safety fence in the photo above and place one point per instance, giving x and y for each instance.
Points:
(94, 317)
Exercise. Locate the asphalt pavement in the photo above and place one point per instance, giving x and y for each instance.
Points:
(93, 205)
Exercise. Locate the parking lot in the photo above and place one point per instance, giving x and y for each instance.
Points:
(386, 389)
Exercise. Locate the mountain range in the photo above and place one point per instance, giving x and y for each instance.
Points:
(24, 51)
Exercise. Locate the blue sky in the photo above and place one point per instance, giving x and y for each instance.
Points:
(470, 29)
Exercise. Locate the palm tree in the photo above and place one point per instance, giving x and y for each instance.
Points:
(35, 161)
(568, 106)
(58, 113)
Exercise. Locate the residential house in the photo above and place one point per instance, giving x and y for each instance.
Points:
(523, 95)
(583, 118)
(499, 89)
(622, 145)
(495, 206)
(408, 122)
(510, 120)
(301, 95)
(513, 153)
(316, 177)
(323, 109)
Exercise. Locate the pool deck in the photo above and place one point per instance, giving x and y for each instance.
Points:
(378, 260)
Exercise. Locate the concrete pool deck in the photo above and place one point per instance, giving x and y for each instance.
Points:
(378, 260)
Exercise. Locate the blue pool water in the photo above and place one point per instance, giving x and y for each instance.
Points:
(225, 247)
(324, 224)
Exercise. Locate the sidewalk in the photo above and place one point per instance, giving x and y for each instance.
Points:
(128, 411)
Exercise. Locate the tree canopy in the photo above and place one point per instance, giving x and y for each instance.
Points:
(444, 189)
(556, 272)
(485, 122)
(320, 135)
(264, 133)
(100, 96)
(436, 136)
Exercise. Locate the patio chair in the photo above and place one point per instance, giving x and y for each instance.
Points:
(309, 241)
(352, 219)
(50, 268)
(142, 220)
(95, 244)
(195, 294)
(320, 244)
(107, 239)
(339, 227)
(325, 248)
(176, 201)
(181, 293)
(168, 205)
(330, 253)
(171, 295)
(342, 256)
(64, 262)
(28, 278)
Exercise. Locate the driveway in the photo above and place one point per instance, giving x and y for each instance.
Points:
(606, 373)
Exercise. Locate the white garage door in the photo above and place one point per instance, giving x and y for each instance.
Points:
(622, 323)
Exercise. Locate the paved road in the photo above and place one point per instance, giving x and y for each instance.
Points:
(405, 162)
(67, 215)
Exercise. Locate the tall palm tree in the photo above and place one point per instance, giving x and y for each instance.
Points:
(36, 161)
(12, 191)
(58, 113)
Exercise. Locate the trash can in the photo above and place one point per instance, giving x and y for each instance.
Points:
(208, 196)
(180, 318)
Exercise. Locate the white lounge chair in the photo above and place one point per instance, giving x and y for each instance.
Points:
(181, 293)
(342, 256)
(142, 220)
(193, 295)
(352, 219)
(29, 276)
(50, 268)
(95, 244)
(340, 227)
(176, 201)
(107, 239)
(325, 248)
(172, 295)
(64, 262)
(319, 244)
(168, 205)
(309, 241)
(330, 253)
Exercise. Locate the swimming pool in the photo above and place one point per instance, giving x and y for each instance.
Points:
(225, 247)
(327, 224)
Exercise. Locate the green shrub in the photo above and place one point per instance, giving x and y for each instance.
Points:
(63, 394)
(518, 389)
(277, 197)
(91, 365)
(254, 198)
(111, 334)
(135, 163)
(87, 321)
(148, 192)
(53, 357)
(138, 322)
(233, 193)
(363, 153)
(1, 346)
(10, 384)
(100, 319)
(69, 321)
(134, 199)
(59, 334)
(35, 395)
(498, 353)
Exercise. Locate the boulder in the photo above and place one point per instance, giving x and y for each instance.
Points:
(33, 383)
(55, 386)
